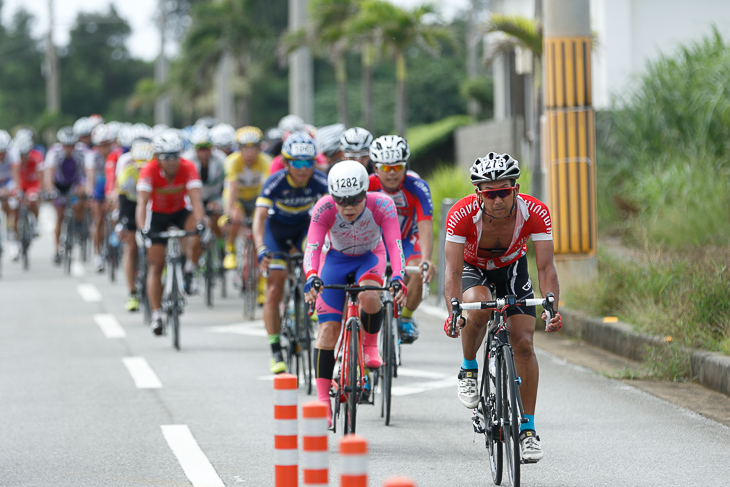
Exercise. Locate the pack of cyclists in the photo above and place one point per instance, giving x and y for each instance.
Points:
(346, 200)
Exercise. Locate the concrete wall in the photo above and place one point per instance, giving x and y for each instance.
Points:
(477, 140)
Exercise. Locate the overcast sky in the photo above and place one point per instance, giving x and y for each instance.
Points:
(144, 41)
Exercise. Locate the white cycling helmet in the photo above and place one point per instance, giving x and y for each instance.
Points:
(347, 179)
(389, 149)
(114, 127)
(355, 142)
(168, 142)
(200, 136)
(291, 123)
(23, 141)
(328, 138)
(223, 135)
(494, 167)
(4, 140)
(101, 134)
(67, 136)
(85, 125)
(141, 150)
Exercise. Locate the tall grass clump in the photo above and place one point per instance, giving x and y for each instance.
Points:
(665, 151)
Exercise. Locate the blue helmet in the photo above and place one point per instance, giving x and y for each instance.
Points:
(299, 146)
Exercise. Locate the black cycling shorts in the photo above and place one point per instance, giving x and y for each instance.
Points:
(513, 279)
(162, 221)
(127, 209)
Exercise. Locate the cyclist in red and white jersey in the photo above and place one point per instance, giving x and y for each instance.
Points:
(357, 223)
(412, 197)
(486, 236)
(27, 172)
(162, 188)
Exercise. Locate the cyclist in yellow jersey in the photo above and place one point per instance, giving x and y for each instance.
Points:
(246, 171)
(127, 173)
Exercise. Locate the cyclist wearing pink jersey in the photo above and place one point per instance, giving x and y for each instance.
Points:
(357, 223)
(486, 236)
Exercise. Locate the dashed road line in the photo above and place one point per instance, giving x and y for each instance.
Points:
(142, 374)
(251, 328)
(423, 386)
(77, 269)
(109, 326)
(193, 461)
(89, 293)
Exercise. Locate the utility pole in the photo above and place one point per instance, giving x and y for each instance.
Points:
(473, 39)
(225, 109)
(53, 98)
(301, 67)
(163, 105)
(570, 138)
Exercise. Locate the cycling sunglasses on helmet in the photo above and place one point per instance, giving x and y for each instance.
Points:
(301, 164)
(497, 193)
(205, 145)
(396, 167)
(353, 200)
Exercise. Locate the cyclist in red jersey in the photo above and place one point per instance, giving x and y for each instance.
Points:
(486, 236)
(27, 173)
(162, 188)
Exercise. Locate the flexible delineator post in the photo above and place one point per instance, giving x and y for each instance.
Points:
(285, 431)
(315, 459)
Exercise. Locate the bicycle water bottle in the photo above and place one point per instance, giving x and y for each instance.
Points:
(492, 365)
(113, 239)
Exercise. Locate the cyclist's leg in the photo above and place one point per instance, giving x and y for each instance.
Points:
(370, 273)
(98, 209)
(126, 213)
(274, 237)
(157, 222)
(60, 204)
(407, 325)
(214, 209)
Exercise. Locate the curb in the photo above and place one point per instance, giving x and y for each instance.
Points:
(711, 369)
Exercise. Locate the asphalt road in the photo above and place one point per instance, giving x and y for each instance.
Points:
(85, 402)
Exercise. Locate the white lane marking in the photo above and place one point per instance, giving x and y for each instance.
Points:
(423, 387)
(77, 269)
(251, 328)
(425, 374)
(89, 293)
(195, 464)
(267, 377)
(435, 311)
(142, 374)
(109, 325)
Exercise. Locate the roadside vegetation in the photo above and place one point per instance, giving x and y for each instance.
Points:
(664, 167)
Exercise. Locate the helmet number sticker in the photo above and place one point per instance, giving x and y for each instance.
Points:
(343, 183)
(495, 165)
(299, 150)
(391, 155)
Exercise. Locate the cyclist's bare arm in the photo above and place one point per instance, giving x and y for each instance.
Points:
(425, 239)
(259, 225)
(232, 196)
(140, 213)
(454, 266)
(547, 275)
(197, 201)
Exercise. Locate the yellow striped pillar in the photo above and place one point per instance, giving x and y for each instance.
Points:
(570, 138)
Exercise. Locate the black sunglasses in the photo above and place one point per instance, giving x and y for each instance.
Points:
(168, 157)
(350, 200)
(497, 193)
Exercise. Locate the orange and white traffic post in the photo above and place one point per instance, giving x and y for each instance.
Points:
(353, 461)
(285, 431)
(399, 482)
(315, 458)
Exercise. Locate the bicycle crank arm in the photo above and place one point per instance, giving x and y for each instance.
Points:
(477, 423)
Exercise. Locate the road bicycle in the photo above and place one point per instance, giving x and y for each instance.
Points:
(247, 270)
(390, 344)
(499, 414)
(173, 301)
(296, 325)
(111, 249)
(211, 267)
(140, 278)
(26, 229)
(347, 389)
(74, 232)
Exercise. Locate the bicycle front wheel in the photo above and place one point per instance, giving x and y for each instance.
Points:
(174, 316)
(353, 379)
(208, 276)
(488, 410)
(510, 415)
(389, 364)
(304, 338)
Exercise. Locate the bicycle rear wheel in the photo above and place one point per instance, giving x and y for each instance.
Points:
(25, 234)
(389, 364)
(488, 410)
(304, 338)
(249, 280)
(510, 415)
(174, 316)
(208, 276)
(68, 245)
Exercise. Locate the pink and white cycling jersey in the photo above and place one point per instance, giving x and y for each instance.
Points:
(354, 238)
(464, 226)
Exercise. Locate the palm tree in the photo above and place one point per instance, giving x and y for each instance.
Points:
(527, 34)
(218, 28)
(395, 31)
(327, 35)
